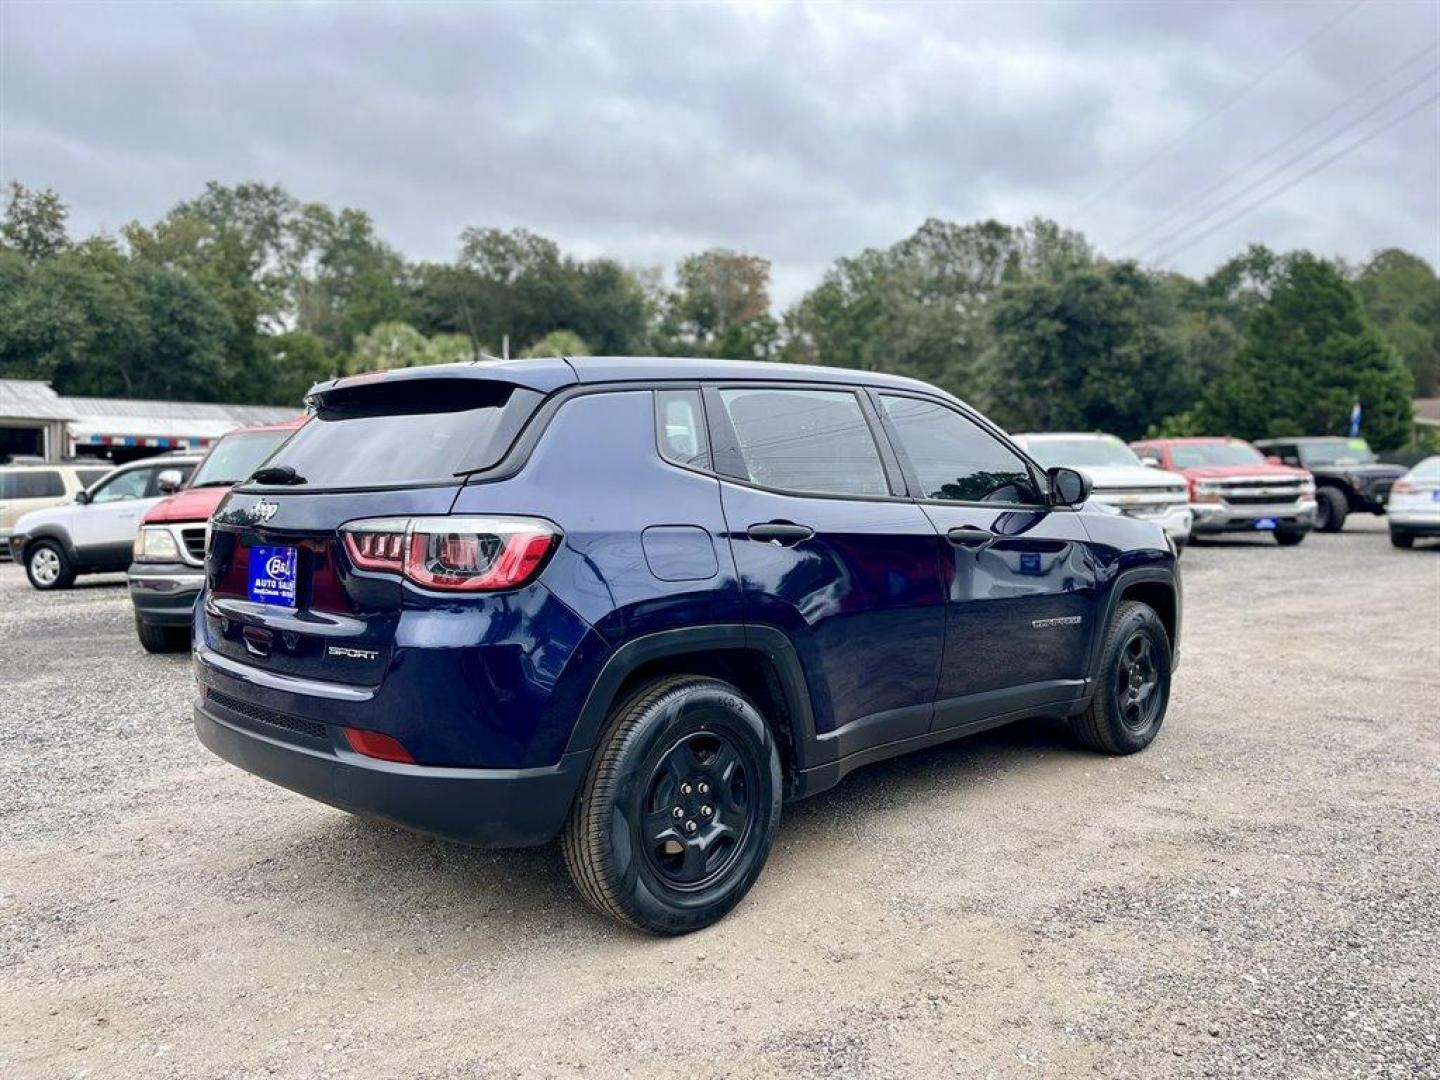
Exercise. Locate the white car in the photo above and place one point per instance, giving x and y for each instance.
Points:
(1414, 506)
(1118, 478)
(94, 533)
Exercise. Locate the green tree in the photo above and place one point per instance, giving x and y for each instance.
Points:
(559, 343)
(390, 345)
(1401, 296)
(1309, 353)
(920, 307)
(34, 223)
(1083, 350)
(290, 364)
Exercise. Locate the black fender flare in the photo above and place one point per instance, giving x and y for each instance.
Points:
(766, 641)
(57, 533)
(1122, 581)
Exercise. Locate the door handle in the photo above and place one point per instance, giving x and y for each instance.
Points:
(970, 536)
(780, 533)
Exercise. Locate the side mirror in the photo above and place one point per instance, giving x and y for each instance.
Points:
(1068, 487)
(1150, 462)
(1274, 459)
(82, 497)
(169, 481)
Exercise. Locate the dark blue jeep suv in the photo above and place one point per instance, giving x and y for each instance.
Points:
(640, 603)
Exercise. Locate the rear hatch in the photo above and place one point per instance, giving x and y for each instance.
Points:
(285, 592)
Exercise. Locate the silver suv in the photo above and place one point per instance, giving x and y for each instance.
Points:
(38, 485)
(93, 534)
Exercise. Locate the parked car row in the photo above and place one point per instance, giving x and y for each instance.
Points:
(1286, 487)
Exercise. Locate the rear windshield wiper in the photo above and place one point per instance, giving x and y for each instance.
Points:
(277, 474)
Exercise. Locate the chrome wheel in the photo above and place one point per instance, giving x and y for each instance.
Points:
(45, 566)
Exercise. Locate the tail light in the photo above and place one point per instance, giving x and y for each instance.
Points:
(453, 554)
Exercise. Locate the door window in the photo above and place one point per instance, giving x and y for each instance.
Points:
(955, 459)
(813, 441)
(125, 485)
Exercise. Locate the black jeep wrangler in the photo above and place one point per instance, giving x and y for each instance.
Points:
(1349, 478)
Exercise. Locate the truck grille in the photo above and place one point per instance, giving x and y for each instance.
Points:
(1260, 492)
(194, 538)
(308, 728)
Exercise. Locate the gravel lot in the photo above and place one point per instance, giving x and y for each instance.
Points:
(1256, 895)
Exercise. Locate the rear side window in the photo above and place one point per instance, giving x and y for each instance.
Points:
(680, 428)
(417, 431)
(806, 441)
(32, 484)
(954, 458)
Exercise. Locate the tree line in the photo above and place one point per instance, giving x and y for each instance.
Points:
(247, 294)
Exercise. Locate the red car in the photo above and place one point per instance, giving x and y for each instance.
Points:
(1233, 488)
(167, 569)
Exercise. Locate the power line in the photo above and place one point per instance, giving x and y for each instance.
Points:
(1199, 197)
(1325, 163)
(1213, 113)
(1204, 215)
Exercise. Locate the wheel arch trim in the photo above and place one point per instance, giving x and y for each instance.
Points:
(1139, 575)
(767, 642)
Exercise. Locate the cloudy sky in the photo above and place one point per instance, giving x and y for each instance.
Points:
(800, 132)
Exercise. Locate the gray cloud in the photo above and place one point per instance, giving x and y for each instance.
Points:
(649, 130)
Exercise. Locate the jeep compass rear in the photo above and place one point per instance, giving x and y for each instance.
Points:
(637, 603)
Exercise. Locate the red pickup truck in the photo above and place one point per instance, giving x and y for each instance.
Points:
(1233, 488)
(167, 569)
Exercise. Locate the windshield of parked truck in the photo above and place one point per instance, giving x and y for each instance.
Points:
(1336, 452)
(1201, 455)
(235, 457)
(1081, 450)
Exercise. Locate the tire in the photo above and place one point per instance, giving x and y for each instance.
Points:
(48, 567)
(662, 747)
(1288, 538)
(161, 639)
(1330, 510)
(1401, 539)
(1114, 723)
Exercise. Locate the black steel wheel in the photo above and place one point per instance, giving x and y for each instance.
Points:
(700, 805)
(1137, 681)
(679, 809)
(1128, 706)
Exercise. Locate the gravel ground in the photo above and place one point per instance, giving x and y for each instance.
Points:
(1256, 895)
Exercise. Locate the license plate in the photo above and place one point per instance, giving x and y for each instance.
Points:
(1266, 523)
(272, 575)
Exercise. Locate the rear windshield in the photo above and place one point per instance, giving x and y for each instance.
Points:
(235, 457)
(420, 431)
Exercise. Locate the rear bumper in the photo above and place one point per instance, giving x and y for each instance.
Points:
(1224, 517)
(1416, 524)
(165, 593)
(486, 807)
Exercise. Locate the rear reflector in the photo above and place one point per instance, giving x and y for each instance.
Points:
(374, 744)
(453, 554)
